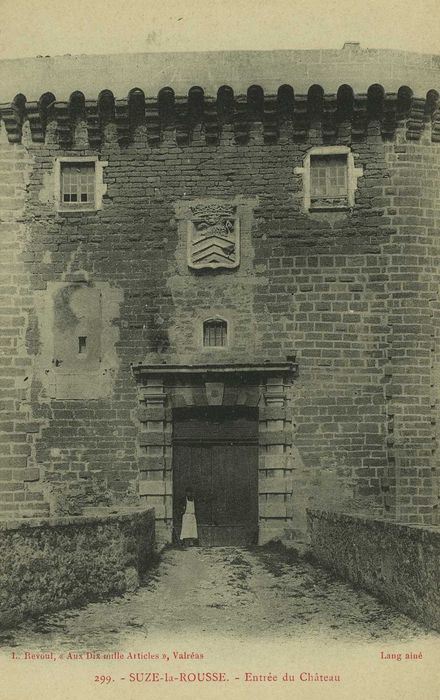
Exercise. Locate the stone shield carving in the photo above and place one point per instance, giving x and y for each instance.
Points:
(213, 237)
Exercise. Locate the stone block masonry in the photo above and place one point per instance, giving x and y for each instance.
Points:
(51, 564)
(398, 563)
(351, 296)
(20, 488)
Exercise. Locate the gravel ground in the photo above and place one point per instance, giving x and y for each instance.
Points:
(227, 591)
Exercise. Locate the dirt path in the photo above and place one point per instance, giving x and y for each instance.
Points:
(228, 592)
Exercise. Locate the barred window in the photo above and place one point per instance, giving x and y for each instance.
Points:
(328, 181)
(215, 333)
(78, 185)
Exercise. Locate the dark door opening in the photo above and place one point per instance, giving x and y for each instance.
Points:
(215, 451)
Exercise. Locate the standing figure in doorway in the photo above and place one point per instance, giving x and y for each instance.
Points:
(188, 534)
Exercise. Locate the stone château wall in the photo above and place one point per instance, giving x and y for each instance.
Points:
(351, 297)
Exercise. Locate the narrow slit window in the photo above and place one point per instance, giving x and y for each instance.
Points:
(82, 344)
(215, 334)
(78, 185)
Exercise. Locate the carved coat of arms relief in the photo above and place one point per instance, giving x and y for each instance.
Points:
(213, 236)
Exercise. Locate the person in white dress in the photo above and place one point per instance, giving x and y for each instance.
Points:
(188, 533)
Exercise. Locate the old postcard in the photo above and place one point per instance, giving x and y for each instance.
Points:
(219, 350)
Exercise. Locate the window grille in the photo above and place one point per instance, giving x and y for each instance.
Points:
(215, 334)
(328, 181)
(78, 185)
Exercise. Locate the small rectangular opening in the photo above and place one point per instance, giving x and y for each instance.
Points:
(328, 181)
(215, 333)
(78, 184)
(82, 344)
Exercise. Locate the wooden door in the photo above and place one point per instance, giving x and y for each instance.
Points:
(215, 451)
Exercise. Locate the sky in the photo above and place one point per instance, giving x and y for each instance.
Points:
(56, 27)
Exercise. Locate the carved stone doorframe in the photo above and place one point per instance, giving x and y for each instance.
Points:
(161, 388)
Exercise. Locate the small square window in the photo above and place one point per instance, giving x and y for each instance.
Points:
(77, 183)
(215, 334)
(328, 181)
